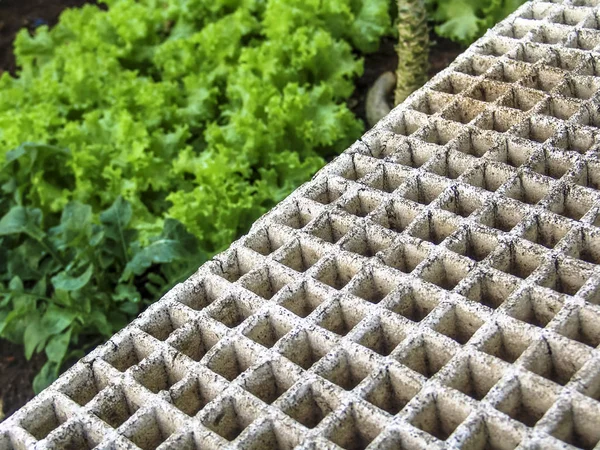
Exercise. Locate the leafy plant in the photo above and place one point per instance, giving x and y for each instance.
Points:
(158, 124)
(77, 277)
(464, 21)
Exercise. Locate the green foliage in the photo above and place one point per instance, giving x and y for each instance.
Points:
(205, 111)
(76, 277)
(162, 130)
(464, 21)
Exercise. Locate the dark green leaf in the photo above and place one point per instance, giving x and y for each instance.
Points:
(175, 244)
(47, 375)
(22, 220)
(97, 235)
(118, 215)
(57, 346)
(163, 251)
(62, 298)
(32, 151)
(75, 222)
(68, 282)
(126, 292)
(13, 155)
(40, 287)
(98, 318)
(24, 261)
(16, 284)
(175, 230)
(129, 308)
(116, 219)
(56, 319)
(35, 336)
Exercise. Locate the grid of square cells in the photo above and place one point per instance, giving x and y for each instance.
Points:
(436, 286)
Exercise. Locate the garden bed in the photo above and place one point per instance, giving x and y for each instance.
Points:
(16, 374)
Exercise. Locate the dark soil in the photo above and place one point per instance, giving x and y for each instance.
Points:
(16, 374)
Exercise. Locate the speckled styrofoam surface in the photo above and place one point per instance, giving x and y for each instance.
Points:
(436, 286)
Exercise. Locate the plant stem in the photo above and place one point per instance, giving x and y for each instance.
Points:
(412, 48)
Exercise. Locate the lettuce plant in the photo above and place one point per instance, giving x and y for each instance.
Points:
(464, 21)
